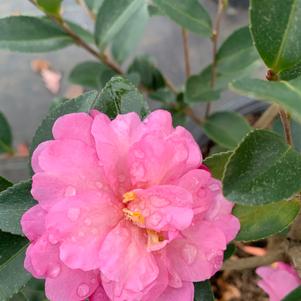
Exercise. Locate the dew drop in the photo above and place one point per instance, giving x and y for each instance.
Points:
(139, 154)
(54, 271)
(83, 290)
(52, 239)
(159, 202)
(214, 187)
(155, 219)
(73, 214)
(70, 191)
(189, 253)
(88, 222)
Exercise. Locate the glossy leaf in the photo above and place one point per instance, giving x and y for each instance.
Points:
(12, 273)
(216, 163)
(226, 128)
(6, 137)
(50, 6)
(236, 59)
(91, 74)
(31, 34)
(203, 291)
(14, 201)
(4, 184)
(286, 94)
(263, 169)
(296, 131)
(231, 249)
(276, 28)
(111, 18)
(295, 295)
(128, 38)
(258, 222)
(94, 5)
(189, 14)
(150, 76)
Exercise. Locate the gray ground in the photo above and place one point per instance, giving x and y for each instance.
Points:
(25, 100)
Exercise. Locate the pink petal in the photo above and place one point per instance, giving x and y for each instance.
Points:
(199, 254)
(75, 126)
(159, 121)
(52, 80)
(124, 259)
(165, 207)
(36, 154)
(185, 293)
(33, 222)
(72, 285)
(81, 223)
(99, 295)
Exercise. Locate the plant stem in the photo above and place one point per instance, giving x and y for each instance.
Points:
(285, 119)
(185, 37)
(189, 112)
(214, 39)
(253, 262)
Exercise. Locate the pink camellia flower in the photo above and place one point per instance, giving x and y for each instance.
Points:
(278, 281)
(124, 212)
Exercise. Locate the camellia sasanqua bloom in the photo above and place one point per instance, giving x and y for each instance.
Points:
(124, 211)
(278, 280)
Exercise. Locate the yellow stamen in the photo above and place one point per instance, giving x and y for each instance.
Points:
(153, 237)
(134, 216)
(129, 196)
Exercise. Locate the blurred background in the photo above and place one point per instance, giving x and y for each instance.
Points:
(25, 100)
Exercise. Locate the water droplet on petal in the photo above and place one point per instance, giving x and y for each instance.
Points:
(138, 171)
(88, 222)
(73, 214)
(52, 239)
(54, 271)
(159, 202)
(83, 290)
(189, 253)
(155, 219)
(70, 191)
(214, 187)
(139, 154)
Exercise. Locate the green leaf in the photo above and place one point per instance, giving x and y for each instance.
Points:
(189, 14)
(6, 137)
(258, 222)
(50, 6)
(12, 273)
(91, 74)
(19, 297)
(226, 128)
(296, 131)
(119, 96)
(4, 184)
(231, 249)
(286, 94)
(203, 291)
(150, 76)
(163, 95)
(84, 34)
(217, 163)
(263, 169)
(14, 201)
(276, 26)
(236, 58)
(128, 38)
(31, 34)
(94, 5)
(295, 295)
(111, 18)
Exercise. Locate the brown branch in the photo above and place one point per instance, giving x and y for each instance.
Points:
(185, 38)
(286, 126)
(214, 39)
(267, 117)
(83, 4)
(189, 112)
(253, 262)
